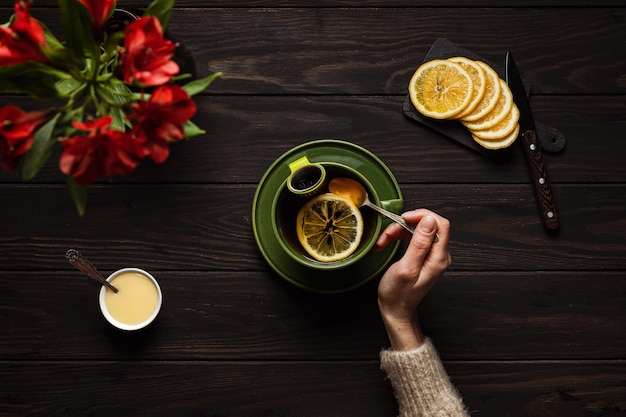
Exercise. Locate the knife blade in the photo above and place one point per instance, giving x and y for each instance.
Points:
(532, 148)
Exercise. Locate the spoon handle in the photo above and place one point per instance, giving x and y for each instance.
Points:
(396, 218)
(82, 264)
(393, 216)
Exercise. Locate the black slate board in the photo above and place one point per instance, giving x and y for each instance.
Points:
(551, 139)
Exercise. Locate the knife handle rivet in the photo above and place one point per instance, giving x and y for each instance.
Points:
(532, 147)
(550, 215)
(542, 181)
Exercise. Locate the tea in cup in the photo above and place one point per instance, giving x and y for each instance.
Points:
(285, 208)
(137, 301)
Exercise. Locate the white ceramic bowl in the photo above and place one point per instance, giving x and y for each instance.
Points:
(124, 326)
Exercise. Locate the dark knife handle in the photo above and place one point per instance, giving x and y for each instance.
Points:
(539, 175)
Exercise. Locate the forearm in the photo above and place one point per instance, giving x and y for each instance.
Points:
(403, 334)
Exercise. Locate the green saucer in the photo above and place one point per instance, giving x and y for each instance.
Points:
(325, 281)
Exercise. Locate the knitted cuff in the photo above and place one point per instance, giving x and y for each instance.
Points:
(421, 384)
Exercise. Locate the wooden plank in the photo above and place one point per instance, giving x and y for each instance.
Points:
(245, 135)
(141, 4)
(381, 48)
(496, 227)
(542, 389)
(528, 315)
(217, 315)
(193, 388)
(533, 389)
(375, 50)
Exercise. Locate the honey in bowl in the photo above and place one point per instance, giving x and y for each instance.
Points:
(137, 301)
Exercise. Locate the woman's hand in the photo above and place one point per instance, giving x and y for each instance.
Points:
(407, 281)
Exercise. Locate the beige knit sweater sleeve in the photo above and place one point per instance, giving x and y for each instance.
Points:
(421, 384)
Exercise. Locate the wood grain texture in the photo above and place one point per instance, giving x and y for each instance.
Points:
(356, 3)
(278, 389)
(528, 324)
(205, 227)
(376, 50)
(540, 180)
(266, 127)
(223, 315)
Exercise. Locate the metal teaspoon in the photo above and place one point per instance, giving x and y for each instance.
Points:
(354, 191)
(82, 264)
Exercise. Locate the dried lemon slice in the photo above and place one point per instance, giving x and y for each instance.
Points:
(492, 94)
(499, 112)
(440, 89)
(501, 129)
(329, 227)
(500, 143)
(470, 91)
(479, 84)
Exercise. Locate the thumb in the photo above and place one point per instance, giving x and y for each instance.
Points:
(427, 225)
(422, 240)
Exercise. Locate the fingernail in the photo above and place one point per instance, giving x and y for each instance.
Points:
(427, 225)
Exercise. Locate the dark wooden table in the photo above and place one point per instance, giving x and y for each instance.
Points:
(527, 323)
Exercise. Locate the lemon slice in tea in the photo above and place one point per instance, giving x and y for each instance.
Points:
(329, 227)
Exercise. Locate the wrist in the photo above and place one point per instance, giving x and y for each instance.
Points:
(404, 334)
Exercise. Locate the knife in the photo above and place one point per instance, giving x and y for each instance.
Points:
(532, 147)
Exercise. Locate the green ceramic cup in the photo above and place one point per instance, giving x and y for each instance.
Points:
(272, 184)
(285, 209)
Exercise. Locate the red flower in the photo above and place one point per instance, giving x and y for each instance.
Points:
(102, 151)
(100, 12)
(17, 130)
(23, 40)
(146, 57)
(159, 120)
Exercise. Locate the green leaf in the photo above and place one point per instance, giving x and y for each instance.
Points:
(197, 86)
(32, 78)
(112, 41)
(39, 153)
(78, 194)
(67, 87)
(162, 10)
(191, 129)
(76, 24)
(64, 128)
(51, 40)
(60, 57)
(119, 118)
(114, 96)
(119, 92)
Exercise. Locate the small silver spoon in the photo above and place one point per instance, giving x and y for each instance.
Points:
(82, 264)
(354, 191)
